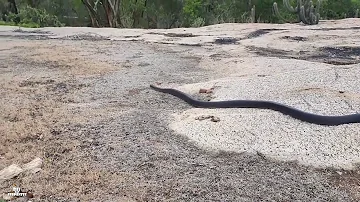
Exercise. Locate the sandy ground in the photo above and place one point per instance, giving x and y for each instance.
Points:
(79, 98)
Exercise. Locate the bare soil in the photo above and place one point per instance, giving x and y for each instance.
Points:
(86, 109)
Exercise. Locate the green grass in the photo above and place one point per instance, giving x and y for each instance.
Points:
(28, 25)
(7, 23)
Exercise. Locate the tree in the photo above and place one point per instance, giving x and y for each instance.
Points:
(110, 10)
(7, 8)
(33, 3)
(92, 9)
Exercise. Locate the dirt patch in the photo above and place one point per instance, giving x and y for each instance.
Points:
(295, 38)
(251, 35)
(338, 55)
(36, 107)
(331, 55)
(32, 31)
(226, 40)
(86, 37)
(261, 32)
(337, 28)
(69, 59)
(348, 180)
(336, 93)
(174, 34)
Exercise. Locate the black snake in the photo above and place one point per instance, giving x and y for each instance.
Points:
(295, 113)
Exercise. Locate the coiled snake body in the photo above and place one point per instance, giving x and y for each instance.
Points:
(287, 110)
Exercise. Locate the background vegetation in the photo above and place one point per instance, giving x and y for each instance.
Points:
(157, 13)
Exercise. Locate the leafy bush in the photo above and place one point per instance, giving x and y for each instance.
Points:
(166, 13)
(29, 25)
(36, 18)
(338, 9)
(198, 22)
(192, 11)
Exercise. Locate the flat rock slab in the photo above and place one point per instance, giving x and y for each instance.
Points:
(80, 98)
(313, 68)
(315, 89)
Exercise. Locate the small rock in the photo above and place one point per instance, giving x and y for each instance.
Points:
(14, 170)
(207, 91)
(212, 118)
(10, 172)
(203, 117)
(29, 195)
(33, 166)
(215, 119)
(202, 90)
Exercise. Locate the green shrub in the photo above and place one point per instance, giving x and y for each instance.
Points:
(34, 17)
(192, 11)
(29, 25)
(7, 23)
(332, 9)
(198, 22)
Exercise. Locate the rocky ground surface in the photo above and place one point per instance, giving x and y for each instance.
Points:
(79, 99)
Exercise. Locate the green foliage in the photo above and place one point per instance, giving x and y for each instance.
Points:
(2, 23)
(192, 8)
(305, 11)
(36, 18)
(127, 10)
(264, 11)
(198, 22)
(3, 4)
(28, 25)
(171, 13)
(228, 11)
(193, 12)
(150, 13)
(168, 13)
(335, 9)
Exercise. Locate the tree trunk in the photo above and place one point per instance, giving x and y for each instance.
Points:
(92, 13)
(109, 13)
(111, 10)
(13, 7)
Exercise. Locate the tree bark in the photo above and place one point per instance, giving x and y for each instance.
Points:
(111, 9)
(13, 7)
(92, 13)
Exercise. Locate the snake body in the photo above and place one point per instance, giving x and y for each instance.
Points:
(287, 110)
